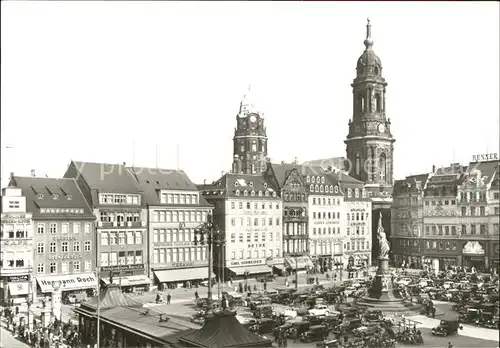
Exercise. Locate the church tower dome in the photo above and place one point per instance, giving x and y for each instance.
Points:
(369, 143)
(250, 138)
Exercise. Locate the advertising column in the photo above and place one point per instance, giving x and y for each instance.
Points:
(56, 300)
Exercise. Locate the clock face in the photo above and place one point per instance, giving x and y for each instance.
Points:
(381, 128)
(253, 118)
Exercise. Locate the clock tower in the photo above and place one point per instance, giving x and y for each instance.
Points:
(369, 143)
(250, 139)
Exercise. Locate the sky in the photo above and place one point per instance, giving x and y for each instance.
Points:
(159, 83)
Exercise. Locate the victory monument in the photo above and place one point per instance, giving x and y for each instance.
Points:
(382, 295)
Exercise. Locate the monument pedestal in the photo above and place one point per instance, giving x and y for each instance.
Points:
(382, 296)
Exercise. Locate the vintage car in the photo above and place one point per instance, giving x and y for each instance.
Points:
(447, 328)
(290, 313)
(374, 316)
(264, 311)
(315, 333)
(298, 328)
(265, 325)
(404, 281)
(349, 291)
(319, 310)
(329, 344)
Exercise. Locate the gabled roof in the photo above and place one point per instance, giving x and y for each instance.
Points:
(152, 180)
(411, 184)
(40, 193)
(224, 331)
(111, 297)
(487, 169)
(105, 177)
(283, 170)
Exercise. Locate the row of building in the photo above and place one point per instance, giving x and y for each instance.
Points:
(448, 217)
(136, 226)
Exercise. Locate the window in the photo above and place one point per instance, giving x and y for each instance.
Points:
(64, 247)
(64, 228)
(104, 238)
(53, 228)
(130, 237)
(482, 211)
(138, 237)
(53, 247)
(64, 267)
(40, 248)
(482, 229)
(122, 238)
(88, 265)
(53, 268)
(88, 245)
(76, 246)
(349, 193)
(87, 227)
(40, 228)
(473, 229)
(76, 266)
(40, 268)
(76, 227)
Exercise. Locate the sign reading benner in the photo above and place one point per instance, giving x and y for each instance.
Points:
(69, 282)
(485, 157)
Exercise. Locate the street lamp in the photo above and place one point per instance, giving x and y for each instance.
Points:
(209, 234)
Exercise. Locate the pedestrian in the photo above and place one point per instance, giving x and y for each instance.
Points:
(169, 297)
(450, 345)
(196, 296)
(17, 310)
(433, 312)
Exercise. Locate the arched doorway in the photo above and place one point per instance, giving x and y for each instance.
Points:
(473, 255)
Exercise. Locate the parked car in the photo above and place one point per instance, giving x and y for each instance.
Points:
(319, 310)
(447, 328)
(404, 281)
(349, 291)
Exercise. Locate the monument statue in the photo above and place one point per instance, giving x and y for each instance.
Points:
(382, 239)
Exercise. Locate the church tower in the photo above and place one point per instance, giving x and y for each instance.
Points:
(250, 139)
(369, 143)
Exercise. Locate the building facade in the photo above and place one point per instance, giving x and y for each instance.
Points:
(63, 236)
(121, 232)
(291, 185)
(175, 210)
(248, 212)
(369, 143)
(407, 220)
(357, 235)
(16, 252)
(325, 217)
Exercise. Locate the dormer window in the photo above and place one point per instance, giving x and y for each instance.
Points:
(321, 188)
(318, 179)
(250, 184)
(322, 179)
(245, 193)
(237, 192)
(267, 194)
(331, 188)
(308, 179)
(260, 193)
(252, 193)
(313, 179)
(316, 188)
(274, 194)
(69, 197)
(356, 193)
(55, 196)
(336, 189)
(39, 196)
(311, 188)
(265, 185)
(236, 184)
(349, 193)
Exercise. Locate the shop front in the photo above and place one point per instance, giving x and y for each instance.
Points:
(130, 278)
(70, 284)
(473, 255)
(15, 289)
(181, 274)
(298, 263)
(325, 263)
(277, 265)
(239, 269)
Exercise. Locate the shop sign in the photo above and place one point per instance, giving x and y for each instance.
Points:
(16, 218)
(184, 264)
(122, 268)
(473, 248)
(64, 238)
(256, 229)
(66, 257)
(17, 278)
(68, 282)
(241, 263)
(275, 261)
(485, 157)
(173, 244)
(17, 242)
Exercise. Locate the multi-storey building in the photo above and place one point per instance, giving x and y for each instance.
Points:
(121, 234)
(16, 253)
(357, 209)
(494, 211)
(442, 231)
(325, 216)
(63, 235)
(476, 215)
(369, 143)
(175, 209)
(407, 220)
(249, 212)
(291, 185)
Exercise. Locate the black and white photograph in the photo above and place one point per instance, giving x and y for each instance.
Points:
(238, 174)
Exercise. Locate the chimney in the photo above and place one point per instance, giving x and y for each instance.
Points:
(11, 175)
(204, 181)
(433, 168)
(33, 173)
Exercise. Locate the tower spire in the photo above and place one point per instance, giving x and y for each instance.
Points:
(248, 104)
(368, 41)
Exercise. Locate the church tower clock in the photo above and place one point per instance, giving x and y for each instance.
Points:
(250, 139)
(369, 143)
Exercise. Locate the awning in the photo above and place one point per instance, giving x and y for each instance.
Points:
(175, 275)
(68, 282)
(280, 267)
(17, 289)
(128, 280)
(250, 269)
(302, 262)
